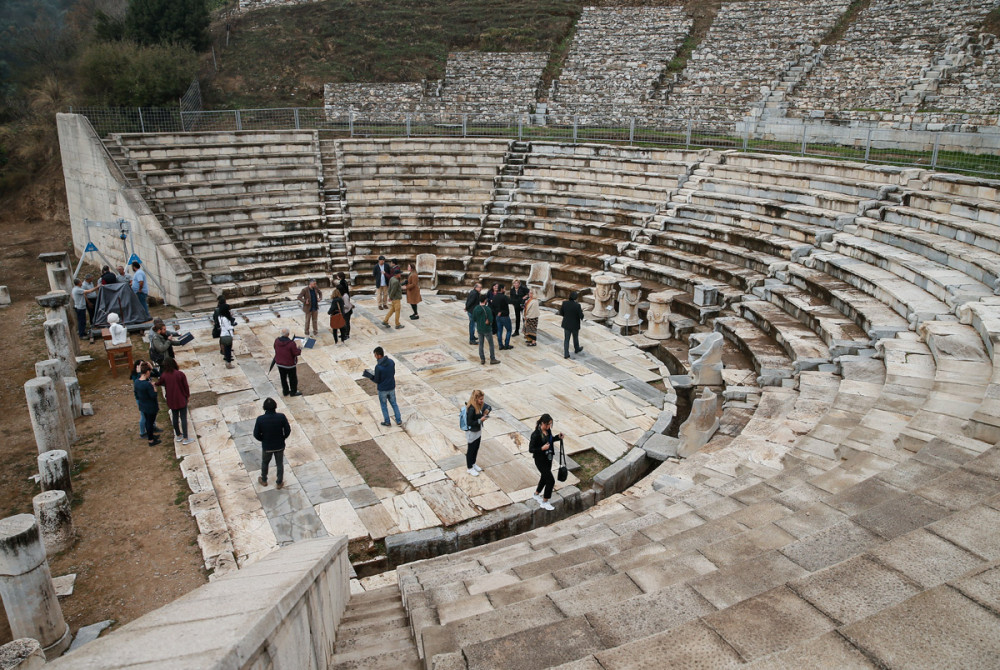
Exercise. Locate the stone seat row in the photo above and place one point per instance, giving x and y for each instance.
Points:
(251, 174)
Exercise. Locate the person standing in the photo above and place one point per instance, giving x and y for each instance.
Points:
(107, 276)
(161, 346)
(216, 331)
(79, 296)
(483, 316)
(385, 381)
(145, 399)
(345, 293)
(501, 312)
(89, 287)
(310, 297)
(541, 446)
(227, 327)
(531, 313)
(336, 312)
(413, 291)
(395, 297)
(572, 319)
(518, 292)
(471, 302)
(175, 383)
(476, 412)
(121, 276)
(271, 429)
(286, 354)
(381, 275)
(139, 286)
(490, 296)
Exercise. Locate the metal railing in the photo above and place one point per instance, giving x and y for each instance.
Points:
(976, 151)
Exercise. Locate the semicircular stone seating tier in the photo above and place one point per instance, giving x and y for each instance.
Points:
(848, 521)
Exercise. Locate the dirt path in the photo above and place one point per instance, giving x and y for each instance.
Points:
(136, 548)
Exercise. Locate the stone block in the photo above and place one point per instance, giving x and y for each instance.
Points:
(417, 545)
(24, 653)
(661, 447)
(4, 297)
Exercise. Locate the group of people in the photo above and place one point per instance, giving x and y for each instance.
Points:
(389, 288)
(340, 310)
(84, 293)
(489, 315)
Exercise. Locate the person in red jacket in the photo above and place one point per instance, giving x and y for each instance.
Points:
(178, 393)
(286, 354)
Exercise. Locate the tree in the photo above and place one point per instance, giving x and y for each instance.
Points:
(130, 75)
(150, 22)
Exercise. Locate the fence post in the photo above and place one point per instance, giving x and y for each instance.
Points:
(937, 145)
(409, 119)
(142, 124)
(181, 112)
(687, 141)
(465, 120)
(746, 133)
(868, 144)
(239, 120)
(350, 121)
(631, 131)
(520, 128)
(575, 122)
(297, 118)
(805, 129)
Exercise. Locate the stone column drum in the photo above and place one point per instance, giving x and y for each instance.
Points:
(22, 654)
(26, 586)
(57, 306)
(55, 521)
(658, 315)
(628, 304)
(58, 269)
(52, 369)
(604, 296)
(57, 339)
(46, 419)
(54, 471)
(4, 296)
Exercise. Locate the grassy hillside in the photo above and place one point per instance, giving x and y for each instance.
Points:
(283, 56)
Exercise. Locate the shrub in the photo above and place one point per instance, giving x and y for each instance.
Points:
(168, 21)
(131, 75)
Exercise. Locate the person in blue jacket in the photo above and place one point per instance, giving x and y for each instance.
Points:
(385, 380)
(149, 405)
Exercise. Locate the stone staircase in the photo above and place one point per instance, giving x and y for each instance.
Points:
(333, 203)
(775, 102)
(921, 90)
(497, 209)
(374, 633)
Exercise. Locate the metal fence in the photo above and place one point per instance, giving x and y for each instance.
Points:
(975, 152)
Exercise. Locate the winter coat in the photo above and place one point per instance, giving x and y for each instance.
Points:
(176, 385)
(285, 352)
(413, 289)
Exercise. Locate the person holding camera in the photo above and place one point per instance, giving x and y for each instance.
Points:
(542, 449)
(476, 412)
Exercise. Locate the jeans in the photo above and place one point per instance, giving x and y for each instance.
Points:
(227, 352)
(503, 325)
(393, 309)
(81, 322)
(546, 482)
(472, 328)
(279, 464)
(576, 341)
(390, 396)
(142, 425)
(472, 452)
(517, 319)
(483, 338)
(144, 300)
(150, 425)
(180, 417)
(289, 379)
(346, 330)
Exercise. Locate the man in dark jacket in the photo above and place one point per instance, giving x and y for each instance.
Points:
(518, 292)
(146, 400)
(381, 275)
(471, 302)
(385, 381)
(272, 429)
(572, 318)
(286, 354)
(501, 312)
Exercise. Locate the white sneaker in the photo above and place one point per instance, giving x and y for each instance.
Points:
(476, 466)
(178, 438)
(537, 497)
(187, 440)
(547, 506)
(473, 472)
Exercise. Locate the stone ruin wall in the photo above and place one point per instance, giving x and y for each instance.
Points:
(616, 62)
(975, 89)
(247, 5)
(394, 101)
(748, 47)
(884, 53)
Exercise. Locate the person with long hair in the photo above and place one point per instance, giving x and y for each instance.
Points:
(531, 312)
(176, 385)
(227, 326)
(476, 412)
(542, 449)
(345, 293)
(337, 310)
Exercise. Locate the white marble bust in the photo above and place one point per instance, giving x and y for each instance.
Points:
(119, 335)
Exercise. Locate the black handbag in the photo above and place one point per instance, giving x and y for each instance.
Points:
(563, 473)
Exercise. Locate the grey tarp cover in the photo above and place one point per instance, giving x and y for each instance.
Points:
(120, 299)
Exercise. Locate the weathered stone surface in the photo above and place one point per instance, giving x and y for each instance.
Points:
(55, 520)
(22, 654)
(701, 424)
(46, 417)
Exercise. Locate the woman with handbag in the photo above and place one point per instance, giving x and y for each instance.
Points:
(542, 449)
(345, 293)
(531, 320)
(476, 412)
(227, 326)
(336, 312)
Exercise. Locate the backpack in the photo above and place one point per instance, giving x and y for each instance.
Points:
(463, 419)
